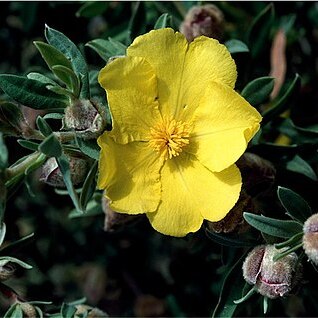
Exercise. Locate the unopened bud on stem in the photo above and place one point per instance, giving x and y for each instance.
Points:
(310, 238)
(203, 20)
(272, 279)
(84, 117)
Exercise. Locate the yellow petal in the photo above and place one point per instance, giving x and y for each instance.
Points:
(131, 87)
(183, 70)
(224, 123)
(130, 175)
(191, 193)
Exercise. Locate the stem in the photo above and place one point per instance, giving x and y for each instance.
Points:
(20, 168)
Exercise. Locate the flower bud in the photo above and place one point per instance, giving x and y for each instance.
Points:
(272, 279)
(258, 174)
(52, 175)
(115, 220)
(84, 116)
(205, 20)
(310, 238)
(6, 271)
(234, 221)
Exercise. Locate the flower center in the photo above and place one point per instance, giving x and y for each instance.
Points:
(169, 137)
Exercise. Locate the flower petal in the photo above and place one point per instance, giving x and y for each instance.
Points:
(191, 193)
(131, 87)
(130, 175)
(184, 72)
(224, 123)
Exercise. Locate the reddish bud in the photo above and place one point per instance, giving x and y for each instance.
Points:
(310, 238)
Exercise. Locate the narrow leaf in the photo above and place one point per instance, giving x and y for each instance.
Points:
(3, 230)
(64, 166)
(294, 204)
(28, 144)
(281, 255)
(299, 165)
(294, 240)
(30, 92)
(258, 33)
(107, 48)
(3, 153)
(89, 186)
(6, 259)
(230, 240)
(52, 56)
(89, 148)
(41, 78)
(258, 91)
(162, 21)
(67, 311)
(43, 126)
(231, 290)
(51, 146)
(67, 76)
(236, 46)
(14, 311)
(69, 49)
(283, 103)
(12, 114)
(11, 246)
(278, 228)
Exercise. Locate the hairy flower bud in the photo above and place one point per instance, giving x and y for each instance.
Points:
(272, 279)
(203, 20)
(234, 221)
(6, 271)
(115, 220)
(84, 117)
(310, 238)
(52, 175)
(258, 174)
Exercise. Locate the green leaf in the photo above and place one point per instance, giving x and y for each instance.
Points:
(3, 230)
(30, 92)
(3, 153)
(68, 77)
(31, 145)
(294, 240)
(69, 49)
(52, 56)
(12, 245)
(14, 311)
(231, 290)
(92, 9)
(43, 126)
(236, 46)
(162, 21)
(92, 209)
(89, 148)
(3, 198)
(294, 248)
(89, 186)
(257, 91)
(64, 166)
(299, 165)
(51, 146)
(41, 78)
(54, 116)
(283, 103)
(107, 48)
(278, 228)
(258, 33)
(67, 311)
(136, 25)
(294, 204)
(12, 114)
(6, 259)
(230, 239)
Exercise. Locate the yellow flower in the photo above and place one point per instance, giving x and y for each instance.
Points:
(178, 128)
